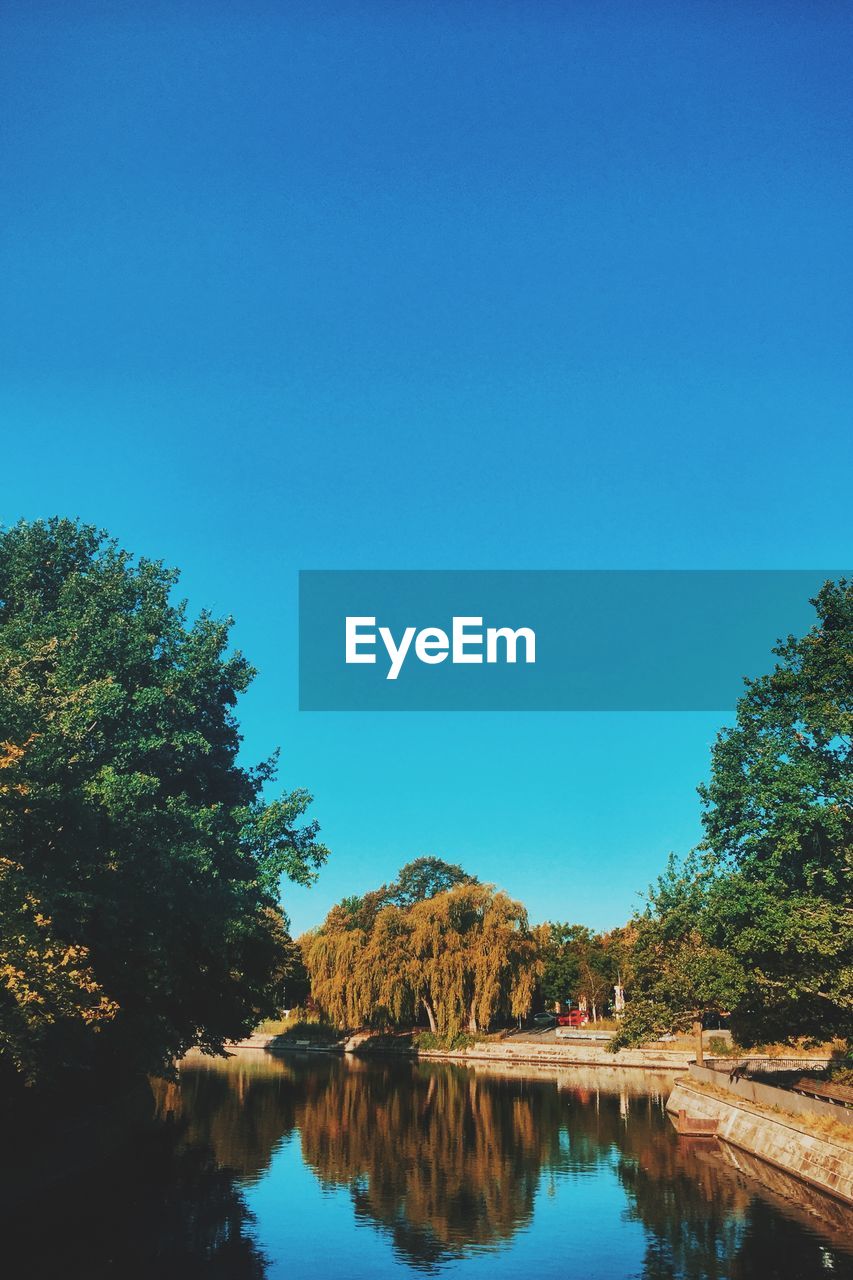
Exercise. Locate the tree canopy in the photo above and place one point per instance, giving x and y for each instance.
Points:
(424, 878)
(581, 965)
(140, 862)
(778, 818)
(759, 920)
(677, 975)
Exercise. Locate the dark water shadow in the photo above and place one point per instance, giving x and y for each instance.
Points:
(120, 1191)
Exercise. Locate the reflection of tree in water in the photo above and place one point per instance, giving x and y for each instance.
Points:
(447, 1160)
(774, 1245)
(240, 1109)
(693, 1214)
(702, 1221)
(440, 1159)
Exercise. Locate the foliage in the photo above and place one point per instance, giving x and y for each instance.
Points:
(759, 920)
(464, 956)
(720, 1047)
(291, 982)
(307, 1029)
(424, 878)
(678, 975)
(450, 1044)
(582, 965)
(841, 1073)
(140, 862)
(778, 818)
(418, 880)
(45, 982)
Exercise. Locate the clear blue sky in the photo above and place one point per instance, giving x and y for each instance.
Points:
(451, 285)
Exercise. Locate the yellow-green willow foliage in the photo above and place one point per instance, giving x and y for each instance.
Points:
(465, 957)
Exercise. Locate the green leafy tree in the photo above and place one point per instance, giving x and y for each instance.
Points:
(418, 880)
(581, 965)
(131, 839)
(678, 975)
(424, 878)
(778, 818)
(561, 974)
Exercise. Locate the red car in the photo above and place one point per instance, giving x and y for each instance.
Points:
(572, 1018)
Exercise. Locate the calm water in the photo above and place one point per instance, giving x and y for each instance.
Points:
(318, 1167)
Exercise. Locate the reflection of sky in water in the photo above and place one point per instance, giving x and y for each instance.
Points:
(580, 1229)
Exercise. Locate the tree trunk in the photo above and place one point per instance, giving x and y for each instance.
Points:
(697, 1031)
(472, 1020)
(429, 1014)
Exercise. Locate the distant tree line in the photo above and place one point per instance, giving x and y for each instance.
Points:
(582, 967)
(439, 948)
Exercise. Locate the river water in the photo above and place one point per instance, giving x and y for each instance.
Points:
(313, 1166)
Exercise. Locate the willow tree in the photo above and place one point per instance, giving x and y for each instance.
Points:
(332, 956)
(464, 957)
(476, 955)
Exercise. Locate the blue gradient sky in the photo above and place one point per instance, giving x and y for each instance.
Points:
(462, 285)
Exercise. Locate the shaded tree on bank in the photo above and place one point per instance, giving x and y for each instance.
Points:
(139, 861)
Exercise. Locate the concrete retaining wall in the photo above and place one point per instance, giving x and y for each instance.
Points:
(565, 1054)
(821, 1162)
(769, 1096)
(568, 1054)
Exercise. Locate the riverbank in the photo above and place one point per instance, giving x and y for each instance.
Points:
(557, 1053)
(570, 1054)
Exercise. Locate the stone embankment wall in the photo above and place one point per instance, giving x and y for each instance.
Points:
(587, 1055)
(557, 1054)
(769, 1096)
(777, 1138)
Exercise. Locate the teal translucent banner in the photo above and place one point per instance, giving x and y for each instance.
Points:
(573, 640)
